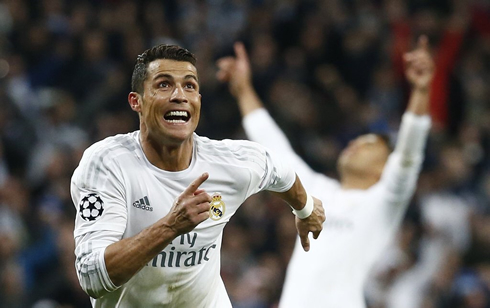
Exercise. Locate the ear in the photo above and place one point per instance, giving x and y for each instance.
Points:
(134, 100)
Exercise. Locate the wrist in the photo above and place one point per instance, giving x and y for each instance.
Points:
(245, 91)
(248, 101)
(306, 211)
(421, 89)
(164, 230)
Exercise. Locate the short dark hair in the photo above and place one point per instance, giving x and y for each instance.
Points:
(163, 51)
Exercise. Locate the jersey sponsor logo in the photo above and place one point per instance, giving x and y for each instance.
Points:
(217, 209)
(91, 207)
(174, 256)
(143, 204)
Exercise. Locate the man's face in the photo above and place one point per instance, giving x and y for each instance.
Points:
(365, 155)
(170, 105)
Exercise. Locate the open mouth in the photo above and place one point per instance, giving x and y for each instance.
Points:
(177, 116)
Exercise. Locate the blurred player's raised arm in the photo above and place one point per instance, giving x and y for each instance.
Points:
(258, 124)
(404, 164)
(237, 72)
(419, 71)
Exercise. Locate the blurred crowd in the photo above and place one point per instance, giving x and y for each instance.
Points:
(328, 70)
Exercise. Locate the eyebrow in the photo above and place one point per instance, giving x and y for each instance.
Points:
(172, 77)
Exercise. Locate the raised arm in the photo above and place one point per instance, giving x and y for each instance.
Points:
(237, 72)
(258, 124)
(260, 128)
(403, 167)
(419, 72)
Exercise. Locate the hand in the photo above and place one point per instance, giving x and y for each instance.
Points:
(312, 223)
(419, 69)
(190, 208)
(236, 71)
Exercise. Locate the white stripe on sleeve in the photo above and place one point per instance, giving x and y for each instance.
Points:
(90, 262)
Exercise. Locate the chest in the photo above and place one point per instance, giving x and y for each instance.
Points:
(150, 196)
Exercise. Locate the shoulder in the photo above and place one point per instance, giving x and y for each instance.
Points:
(107, 153)
(234, 149)
(112, 147)
(235, 154)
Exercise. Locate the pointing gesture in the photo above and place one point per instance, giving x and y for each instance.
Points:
(419, 65)
(236, 70)
(313, 224)
(190, 208)
(238, 73)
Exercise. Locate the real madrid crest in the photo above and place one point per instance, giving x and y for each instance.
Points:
(217, 209)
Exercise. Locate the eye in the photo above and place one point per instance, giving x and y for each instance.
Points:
(190, 86)
(164, 84)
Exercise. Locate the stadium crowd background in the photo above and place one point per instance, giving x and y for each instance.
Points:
(327, 70)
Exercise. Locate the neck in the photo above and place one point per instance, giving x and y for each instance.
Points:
(168, 157)
(358, 182)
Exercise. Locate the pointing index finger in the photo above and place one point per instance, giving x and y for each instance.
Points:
(423, 43)
(192, 188)
(240, 51)
(305, 242)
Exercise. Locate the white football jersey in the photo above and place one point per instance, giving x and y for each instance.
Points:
(117, 193)
(359, 223)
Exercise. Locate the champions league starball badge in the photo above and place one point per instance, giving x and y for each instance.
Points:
(217, 209)
(91, 207)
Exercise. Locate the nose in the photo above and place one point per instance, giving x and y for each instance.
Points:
(178, 95)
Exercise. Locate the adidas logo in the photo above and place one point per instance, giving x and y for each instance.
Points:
(143, 204)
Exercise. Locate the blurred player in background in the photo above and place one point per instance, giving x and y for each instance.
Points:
(152, 204)
(365, 208)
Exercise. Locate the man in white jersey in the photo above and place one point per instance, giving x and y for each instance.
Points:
(365, 208)
(152, 204)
